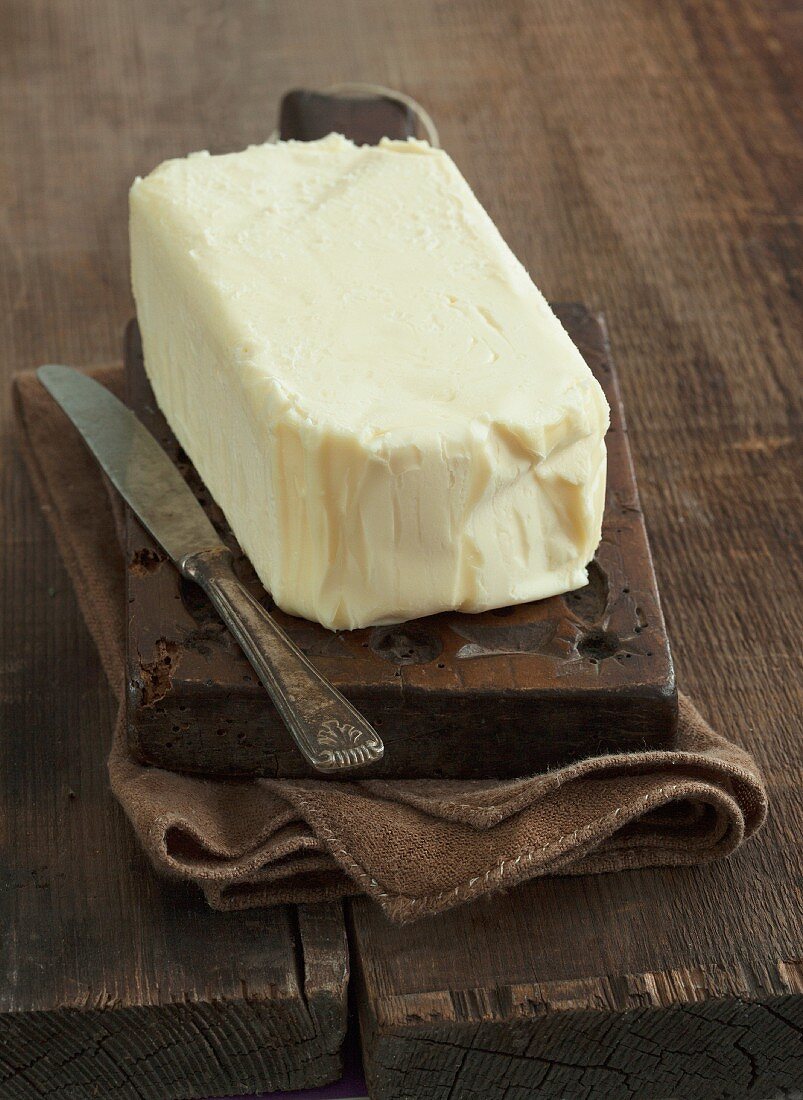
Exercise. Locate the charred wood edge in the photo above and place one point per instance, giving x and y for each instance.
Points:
(279, 1039)
(699, 1034)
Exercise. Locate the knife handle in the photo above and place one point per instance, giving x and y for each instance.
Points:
(330, 733)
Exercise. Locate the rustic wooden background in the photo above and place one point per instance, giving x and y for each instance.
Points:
(642, 157)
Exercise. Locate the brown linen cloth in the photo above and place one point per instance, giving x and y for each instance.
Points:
(415, 846)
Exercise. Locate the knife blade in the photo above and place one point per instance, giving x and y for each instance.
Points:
(331, 734)
(134, 462)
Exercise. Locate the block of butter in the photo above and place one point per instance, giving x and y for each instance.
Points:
(373, 389)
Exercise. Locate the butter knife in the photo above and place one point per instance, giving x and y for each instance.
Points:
(330, 733)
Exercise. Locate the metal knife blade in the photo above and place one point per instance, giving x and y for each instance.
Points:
(135, 463)
(330, 733)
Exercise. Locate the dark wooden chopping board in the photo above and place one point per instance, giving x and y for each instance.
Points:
(503, 693)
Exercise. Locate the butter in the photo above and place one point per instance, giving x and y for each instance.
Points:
(373, 389)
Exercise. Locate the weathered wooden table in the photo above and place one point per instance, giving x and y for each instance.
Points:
(639, 157)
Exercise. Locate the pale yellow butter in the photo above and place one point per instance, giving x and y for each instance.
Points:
(373, 389)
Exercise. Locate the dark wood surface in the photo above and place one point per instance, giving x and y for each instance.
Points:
(113, 982)
(505, 693)
(640, 157)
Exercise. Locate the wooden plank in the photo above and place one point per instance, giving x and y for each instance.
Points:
(111, 979)
(505, 693)
(111, 982)
(681, 983)
(658, 1034)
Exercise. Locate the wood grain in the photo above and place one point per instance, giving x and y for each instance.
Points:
(505, 693)
(641, 157)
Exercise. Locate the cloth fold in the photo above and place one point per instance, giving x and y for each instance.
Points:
(415, 846)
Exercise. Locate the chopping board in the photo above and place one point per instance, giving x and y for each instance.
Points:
(503, 693)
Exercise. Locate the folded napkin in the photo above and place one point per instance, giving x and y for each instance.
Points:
(415, 846)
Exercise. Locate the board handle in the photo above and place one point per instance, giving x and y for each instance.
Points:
(306, 116)
(331, 734)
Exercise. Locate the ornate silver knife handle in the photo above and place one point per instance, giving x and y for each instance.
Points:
(332, 735)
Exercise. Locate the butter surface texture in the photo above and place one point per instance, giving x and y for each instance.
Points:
(373, 389)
